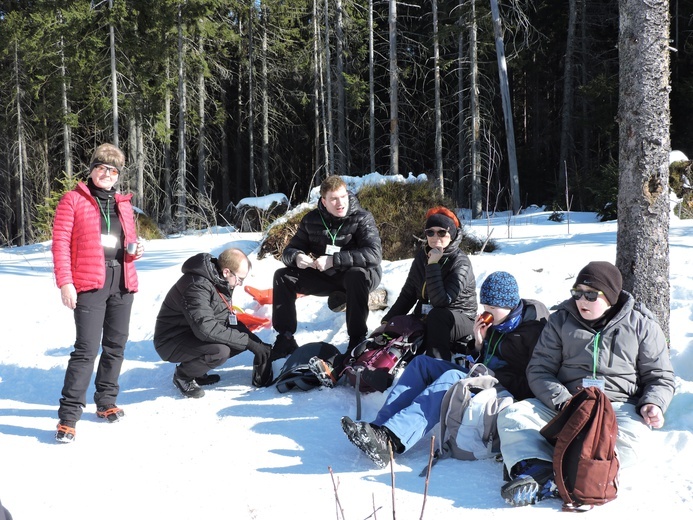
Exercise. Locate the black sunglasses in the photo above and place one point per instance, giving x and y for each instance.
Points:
(433, 232)
(590, 296)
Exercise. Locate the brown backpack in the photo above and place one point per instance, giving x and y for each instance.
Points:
(585, 464)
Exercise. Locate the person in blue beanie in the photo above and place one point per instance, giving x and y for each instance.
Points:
(413, 407)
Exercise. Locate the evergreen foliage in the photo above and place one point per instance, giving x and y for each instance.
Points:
(55, 83)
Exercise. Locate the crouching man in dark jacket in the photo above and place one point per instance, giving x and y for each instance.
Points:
(197, 326)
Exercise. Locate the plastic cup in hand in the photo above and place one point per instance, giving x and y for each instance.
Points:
(132, 248)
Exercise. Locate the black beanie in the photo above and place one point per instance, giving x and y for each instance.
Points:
(603, 276)
(442, 221)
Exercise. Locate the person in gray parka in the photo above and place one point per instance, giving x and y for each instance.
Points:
(600, 337)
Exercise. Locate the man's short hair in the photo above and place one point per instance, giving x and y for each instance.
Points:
(231, 259)
(107, 153)
(331, 183)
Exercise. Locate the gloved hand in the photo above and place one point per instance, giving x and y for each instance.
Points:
(261, 350)
(262, 364)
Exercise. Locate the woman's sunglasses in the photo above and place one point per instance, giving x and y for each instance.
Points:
(590, 296)
(433, 232)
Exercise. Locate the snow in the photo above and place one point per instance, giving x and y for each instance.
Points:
(676, 156)
(246, 453)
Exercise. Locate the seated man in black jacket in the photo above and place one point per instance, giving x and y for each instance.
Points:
(197, 326)
(336, 250)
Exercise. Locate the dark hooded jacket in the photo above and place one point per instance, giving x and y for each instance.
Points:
(508, 353)
(449, 283)
(194, 304)
(356, 234)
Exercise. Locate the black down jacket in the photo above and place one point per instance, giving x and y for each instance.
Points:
(193, 304)
(356, 234)
(449, 283)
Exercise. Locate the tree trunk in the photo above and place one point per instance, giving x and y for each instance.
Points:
(461, 152)
(394, 82)
(114, 78)
(67, 130)
(251, 112)
(224, 160)
(239, 116)
(644, 144)
(21, 219)
(264, 174)
(168, 163)
(328, 89)
(139, 161)
(181, 188)
(371, 88)
(317, 176)
(342, 147)
(201, 127)
(476, 116)
(567, 109)
(507, 110)
(440, 181)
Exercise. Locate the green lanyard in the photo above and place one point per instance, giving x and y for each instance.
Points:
(333, 237)
(489, 357)
(107, 215)
(595, 353)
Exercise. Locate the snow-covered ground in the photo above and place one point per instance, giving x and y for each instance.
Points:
(246, 453)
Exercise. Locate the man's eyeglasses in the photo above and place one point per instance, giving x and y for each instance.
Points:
(106, 168)
(433, 232)
(590, 296)
(239, 280)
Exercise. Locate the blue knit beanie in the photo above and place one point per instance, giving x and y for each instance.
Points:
(500, 290)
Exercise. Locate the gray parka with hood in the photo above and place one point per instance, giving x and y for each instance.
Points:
(630, 354)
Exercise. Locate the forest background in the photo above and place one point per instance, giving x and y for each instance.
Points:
(216, 100)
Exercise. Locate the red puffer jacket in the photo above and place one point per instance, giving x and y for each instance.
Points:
(78, 256)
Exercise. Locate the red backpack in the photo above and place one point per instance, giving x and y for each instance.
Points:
(585, 464)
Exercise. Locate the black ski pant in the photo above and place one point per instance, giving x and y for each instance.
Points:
(195, 357)
(356, 282)
(444, 327)
(102, 319)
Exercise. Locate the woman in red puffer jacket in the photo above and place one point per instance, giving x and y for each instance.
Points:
(96, 275)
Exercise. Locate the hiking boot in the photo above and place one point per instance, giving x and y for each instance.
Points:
(323, 371)
(370, 439)
(531, 482)
(66, 431)
(284, 346)
(110, 412)
(208, 379)
(189, 388)
(336, 301)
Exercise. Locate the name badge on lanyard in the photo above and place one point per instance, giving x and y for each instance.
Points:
(332, 249)
(593, 381)
(426, 308)
(233, 319)
(109, 241)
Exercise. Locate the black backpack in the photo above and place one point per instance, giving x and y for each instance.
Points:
(296, 374)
